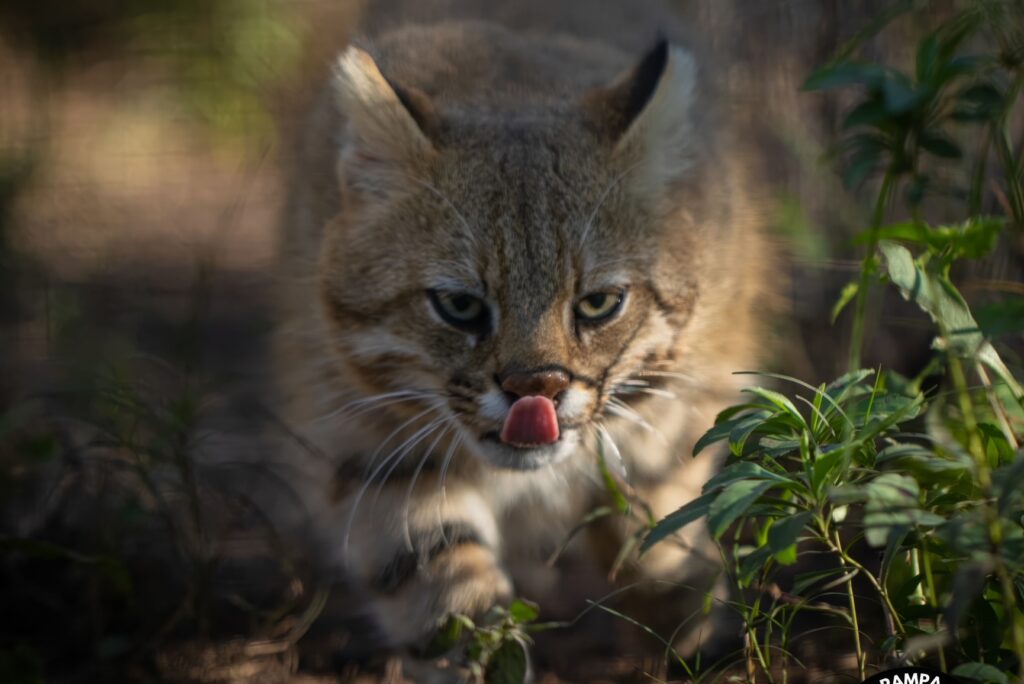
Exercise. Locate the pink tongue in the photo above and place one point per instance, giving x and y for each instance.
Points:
(530, 422)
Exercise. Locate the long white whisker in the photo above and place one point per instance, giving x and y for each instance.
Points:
(617, 408)
(630, 388)
(367, 404)
(671, 375)
(416, 473)
(369, 480)
(399, 454)
(615, 461)
(644, 372)
(443, 500)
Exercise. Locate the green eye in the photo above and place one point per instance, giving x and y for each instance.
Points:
(461, 310)
(599, 306)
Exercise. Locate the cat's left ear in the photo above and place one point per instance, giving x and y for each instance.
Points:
(386, 126)
(647, 114)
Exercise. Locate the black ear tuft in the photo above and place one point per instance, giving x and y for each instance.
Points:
(419, 106)
(615, 107)
(646, 115)
(639, 89)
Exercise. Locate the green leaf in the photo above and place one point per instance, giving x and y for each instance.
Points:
(886, 488)
(803, 582)
(917, 188)
(677, 520)
(589, 518)
(733, 502)
(962, 66)
(723, 428)
(981, 672)
(924, 464)
(611, 486)
(1009, 483)
(927, 58)
(974, 239)
(861, 165)
(939, 145)
(743, 429)
(846, 74)
(903, 595)
(868, 113)
(826, 466)
(882, 521)
(779, 401)
(955, 30)
(937, 296)
(523, 611)
(786, 556)
(988, 356)
(746, 470)
(900, 94)
(892, 504)
(784, 533)
(897, 409)
(775, 447)
(624, 554)
(447, 637)
(979, 102)
(507, 665)
(906, 231)
(995, 442)
(848, 294)
(1002, 318)
(845, 384)
(753, 563)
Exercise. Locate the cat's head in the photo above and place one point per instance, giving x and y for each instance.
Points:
(553, 249)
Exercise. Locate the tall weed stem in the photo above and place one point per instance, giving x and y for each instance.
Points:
(861, 656)
(867, 268)
(994, 522)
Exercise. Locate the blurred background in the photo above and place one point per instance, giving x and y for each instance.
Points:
(143, 150)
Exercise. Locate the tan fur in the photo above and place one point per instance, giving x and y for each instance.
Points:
(467, 156)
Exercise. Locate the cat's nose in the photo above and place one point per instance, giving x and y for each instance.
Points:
(545, 383)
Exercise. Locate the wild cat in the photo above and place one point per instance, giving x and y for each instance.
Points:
(511, 238)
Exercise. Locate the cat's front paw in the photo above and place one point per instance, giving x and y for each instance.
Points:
(463, 579)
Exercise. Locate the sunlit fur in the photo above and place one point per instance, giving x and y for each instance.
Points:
(508, 173)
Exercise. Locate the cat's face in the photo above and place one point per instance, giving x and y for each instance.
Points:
(503, 258)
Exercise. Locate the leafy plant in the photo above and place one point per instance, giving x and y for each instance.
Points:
(495, 650)
(927, 471)
(905, 122)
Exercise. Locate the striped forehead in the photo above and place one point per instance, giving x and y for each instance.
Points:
(524, 215)
(533, 227)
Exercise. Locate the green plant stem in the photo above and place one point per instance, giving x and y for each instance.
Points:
(861, 658)
(1004, 150)
(896, 623)
(866, 269)
(753, 643)
(933, 596)
(994, 523)
(997, 406)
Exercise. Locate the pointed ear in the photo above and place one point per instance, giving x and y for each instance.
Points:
(647, 115)
(387, 127)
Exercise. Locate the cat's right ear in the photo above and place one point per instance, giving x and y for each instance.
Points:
(647, 115)
(385, 139)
